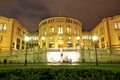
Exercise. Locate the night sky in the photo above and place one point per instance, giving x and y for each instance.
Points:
(30, 12)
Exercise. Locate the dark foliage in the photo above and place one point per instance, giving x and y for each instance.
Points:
(59, 74)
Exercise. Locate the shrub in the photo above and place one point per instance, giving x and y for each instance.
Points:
(58, 74)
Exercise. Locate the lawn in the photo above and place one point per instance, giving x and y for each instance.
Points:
(113, 67)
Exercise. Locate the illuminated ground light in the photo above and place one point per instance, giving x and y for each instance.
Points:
(65, 57)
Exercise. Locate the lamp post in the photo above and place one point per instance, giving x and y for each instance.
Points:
(83, 53)
(43, 47)
(77, 38)
(26, 40)
(95, 38)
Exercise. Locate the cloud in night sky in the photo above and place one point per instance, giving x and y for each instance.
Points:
(31, 12)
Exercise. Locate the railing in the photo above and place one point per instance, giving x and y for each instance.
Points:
(87, 55)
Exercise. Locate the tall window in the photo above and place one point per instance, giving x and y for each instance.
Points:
(18, 44)
(60, 30)
(23, 43)
(52, 30)
(3, 27)
(68, 30)
(117, 25)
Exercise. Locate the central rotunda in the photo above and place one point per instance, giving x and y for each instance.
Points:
(60, 32)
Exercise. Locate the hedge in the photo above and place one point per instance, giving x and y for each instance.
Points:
(58, 74)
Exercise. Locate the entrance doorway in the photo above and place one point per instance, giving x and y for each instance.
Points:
(60, 44)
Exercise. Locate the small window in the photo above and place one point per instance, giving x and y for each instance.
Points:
(117, 25)
(3, 27)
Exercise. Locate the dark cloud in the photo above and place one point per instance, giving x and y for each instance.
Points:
(31, 12)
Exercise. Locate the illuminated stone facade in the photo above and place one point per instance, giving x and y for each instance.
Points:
(60, 32)
(56, 33)
(11, 34)
(108, 32)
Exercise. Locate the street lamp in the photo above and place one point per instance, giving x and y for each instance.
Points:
(95, 38)
(27, 38)
(43, 45)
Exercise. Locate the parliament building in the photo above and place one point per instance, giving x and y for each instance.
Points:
(60, 32)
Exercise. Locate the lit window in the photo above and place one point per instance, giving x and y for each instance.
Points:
(90, 37)
(35, 38)
(78, 37)
(117, 25)
(52, 29)
(60, 30)
(68, 30)
(45, 33)
(0, 26)
(84, 37)
(3, 27)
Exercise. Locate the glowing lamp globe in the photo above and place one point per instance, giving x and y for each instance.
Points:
(27, 38)
(95, 38)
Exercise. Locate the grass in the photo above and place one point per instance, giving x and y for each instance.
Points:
(114, 68)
